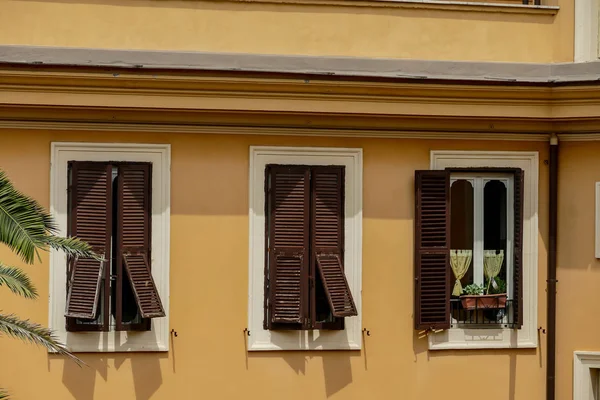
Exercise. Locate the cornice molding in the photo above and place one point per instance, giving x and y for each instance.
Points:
(266, 131)
(180, 101)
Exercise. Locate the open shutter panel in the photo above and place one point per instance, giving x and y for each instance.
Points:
(432, 250)
(328, 231)
(336, 286)
(134, 236)
(288, 244)
(518, 250)
(91, 222)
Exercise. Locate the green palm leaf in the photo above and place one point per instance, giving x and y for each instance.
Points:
(3, 395)
(26, 227)
(34, 333)
(17, 281)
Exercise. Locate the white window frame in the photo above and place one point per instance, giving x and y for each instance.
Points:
(586, 370)
(586, 30)
(157, 339)
(260, 338)
(494, 338)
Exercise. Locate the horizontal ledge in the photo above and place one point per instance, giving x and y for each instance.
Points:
(420, 4)
(275, 131)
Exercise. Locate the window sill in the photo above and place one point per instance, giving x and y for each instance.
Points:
(473, 6)
(471, 339)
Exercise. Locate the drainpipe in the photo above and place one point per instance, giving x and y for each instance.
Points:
(551, 282)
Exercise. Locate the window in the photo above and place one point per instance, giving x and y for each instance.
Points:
(434, 248)
(468, 232)
(291, 335)
(110, 208)
(304, 273)
(115, 196)
(481, 247)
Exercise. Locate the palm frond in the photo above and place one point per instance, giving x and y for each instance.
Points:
(23, 221)
(34, 333)
(26, 228)
(3, 395)
(71, 246)
(17, 281)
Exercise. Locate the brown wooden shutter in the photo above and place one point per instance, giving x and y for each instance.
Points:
(518, 249)
(328, 237)
(336, 286)
(288, 210)
(432, 250)
(134, 234)
(91, 217)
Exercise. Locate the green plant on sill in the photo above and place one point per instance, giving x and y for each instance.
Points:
(500, 289)
(473, 290)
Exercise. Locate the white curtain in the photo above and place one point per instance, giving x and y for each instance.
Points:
(460, 260)
(492, 263)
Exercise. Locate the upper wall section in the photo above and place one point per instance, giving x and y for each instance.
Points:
(435, 30)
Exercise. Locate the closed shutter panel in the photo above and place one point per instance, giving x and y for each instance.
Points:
(518, 250)
(134, 236)
(288, 210)
(432, 250)
(328, 238)
(91, 222)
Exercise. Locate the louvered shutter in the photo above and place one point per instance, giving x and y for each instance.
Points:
(288, 237)
(518, 249)
(91, 222)
(432, 250)
(134, 232)
(328, 238)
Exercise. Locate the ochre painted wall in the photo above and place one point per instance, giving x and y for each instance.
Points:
(209, 287)
(215, 26)
(578, 271)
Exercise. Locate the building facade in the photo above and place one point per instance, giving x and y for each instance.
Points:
(295, 195)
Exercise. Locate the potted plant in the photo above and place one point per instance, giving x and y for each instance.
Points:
(475, 299)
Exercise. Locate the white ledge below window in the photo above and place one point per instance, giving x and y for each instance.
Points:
(500, 338)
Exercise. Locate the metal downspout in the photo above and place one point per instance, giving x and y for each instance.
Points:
(551, 282)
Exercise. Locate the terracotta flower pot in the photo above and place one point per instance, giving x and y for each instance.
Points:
(484, 301)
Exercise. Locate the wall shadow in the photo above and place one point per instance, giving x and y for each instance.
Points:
(81, 381)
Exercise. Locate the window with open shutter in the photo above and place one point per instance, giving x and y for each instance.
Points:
(468, 248)
(306, 287)
(110, 207)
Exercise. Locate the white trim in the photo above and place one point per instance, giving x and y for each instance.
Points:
(350, 337)
(526, 337)
(586, 30)
(586, 366)
(160, 156)
(597, 219)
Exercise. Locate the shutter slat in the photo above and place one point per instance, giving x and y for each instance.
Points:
(336, 286)
(134, 236)
(91, 222)
(288, 239)
(432, 250)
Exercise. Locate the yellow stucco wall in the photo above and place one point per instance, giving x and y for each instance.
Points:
(215, 26)
(209, 287)
(578, 270)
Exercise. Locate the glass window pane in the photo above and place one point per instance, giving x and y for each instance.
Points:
(494, 234)
(461, 223)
